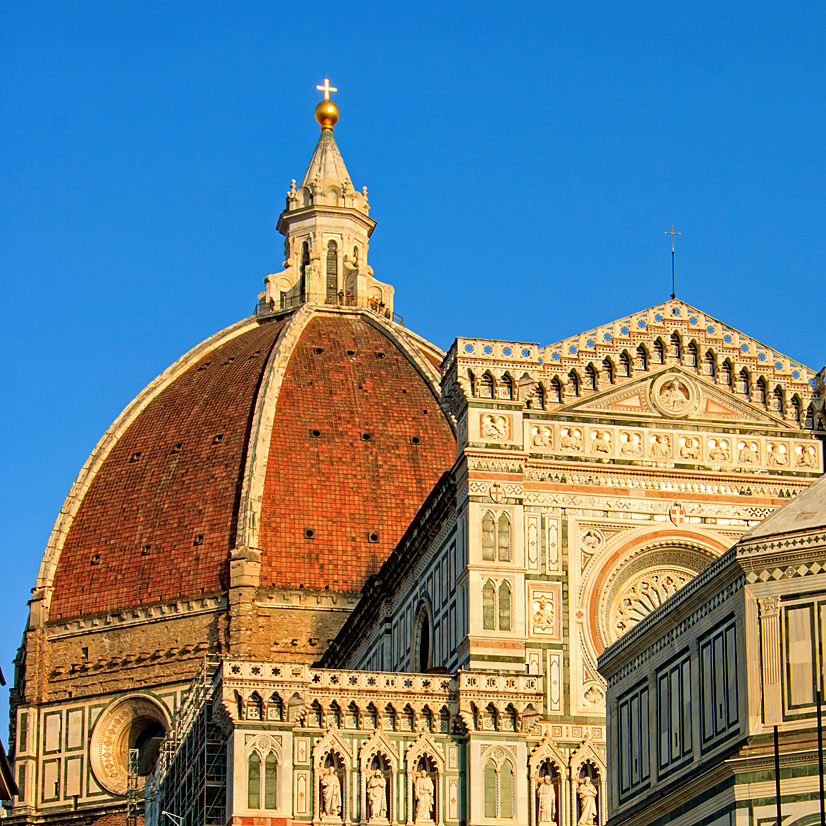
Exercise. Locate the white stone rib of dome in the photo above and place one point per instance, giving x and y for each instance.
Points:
(255, 471)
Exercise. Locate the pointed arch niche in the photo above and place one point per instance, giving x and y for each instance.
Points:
(546, 761)
(588, 762)
(425, 755)
(378, 755)
(264, 773)
(331, 759)
(499, 775)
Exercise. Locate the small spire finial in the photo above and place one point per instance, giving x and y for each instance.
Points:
(326, 112)
(673, 276)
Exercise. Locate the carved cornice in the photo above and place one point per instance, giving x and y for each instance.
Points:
(138, 615)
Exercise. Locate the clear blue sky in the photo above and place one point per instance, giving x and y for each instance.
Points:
(523, 162)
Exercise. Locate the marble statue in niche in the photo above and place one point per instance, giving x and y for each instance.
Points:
(544, 614)
(806, 456)
(546, 798)
(330, 793)
(778, 455)
(591, 540)
(587, 794)
(423, 794)
(377, 796)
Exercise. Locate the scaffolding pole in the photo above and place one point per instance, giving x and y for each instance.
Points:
(132, 796)
(190, 778)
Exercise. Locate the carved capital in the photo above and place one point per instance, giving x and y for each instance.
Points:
(769, 607)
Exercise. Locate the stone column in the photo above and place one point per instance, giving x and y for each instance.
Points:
(771, 660)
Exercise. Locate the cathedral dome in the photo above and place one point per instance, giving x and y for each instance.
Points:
(289, 451)
(305, 438)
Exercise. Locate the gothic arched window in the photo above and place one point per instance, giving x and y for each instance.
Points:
(332, 272)
(743, 383)
(506, 387)
(254, 781)
(499, 789)
(305, 262)
(727, 374)
(504, 538)
(710, 365)
(488, 537)
(608, 370)
(421, 645)
(692, 357)
(270, 782)
(573, 383)
(485, 385)
(658, 353)
(641, 361)
(488, 606)
(625, 365)
(675, 347)
(505, 607)
(796, 410)
(506, 790)
(555, 393)
(778, 400)
(491, 790)
(590, 378)
(762, 391)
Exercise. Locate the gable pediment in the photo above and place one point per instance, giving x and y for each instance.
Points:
(676, 394)
(678, 335)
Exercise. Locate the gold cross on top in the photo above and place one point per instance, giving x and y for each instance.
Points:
(326, 88)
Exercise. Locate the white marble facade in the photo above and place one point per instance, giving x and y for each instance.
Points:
(697, 689)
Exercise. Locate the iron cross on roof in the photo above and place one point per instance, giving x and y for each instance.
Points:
(673, 278)
(326, 88)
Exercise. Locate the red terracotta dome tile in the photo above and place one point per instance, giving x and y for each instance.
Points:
(358, 442)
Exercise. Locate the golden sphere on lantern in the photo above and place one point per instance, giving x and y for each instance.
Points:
(326, 113)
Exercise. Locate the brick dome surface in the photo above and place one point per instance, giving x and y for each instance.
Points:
(358, 440)
(382, 444)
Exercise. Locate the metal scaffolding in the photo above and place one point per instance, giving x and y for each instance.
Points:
(190, 778)
(132, 791)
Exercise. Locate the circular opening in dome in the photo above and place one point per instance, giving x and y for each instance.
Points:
(365, 437)
(379, 355)
(415, 440)
(309, 533)
(373, 537)
(315, 432)
(350, 352)
(318, 350)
